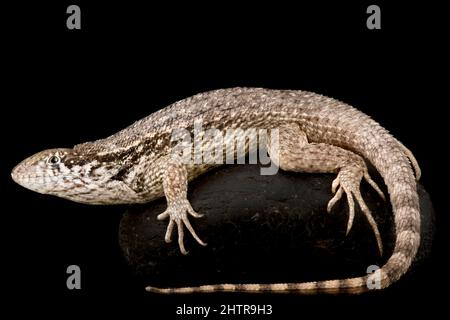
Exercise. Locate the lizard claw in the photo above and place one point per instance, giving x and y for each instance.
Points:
(163, 216)
(348, 181)
(177, 214)
(335, 199)
(192, 212)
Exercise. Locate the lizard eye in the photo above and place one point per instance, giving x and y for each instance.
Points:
(54, 160)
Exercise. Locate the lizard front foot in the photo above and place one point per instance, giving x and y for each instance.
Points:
(348, 181)
(177, 213)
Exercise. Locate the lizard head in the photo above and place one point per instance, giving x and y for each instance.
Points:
(43, 172)
(68, 174)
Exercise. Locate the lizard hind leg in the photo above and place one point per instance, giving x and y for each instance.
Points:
(295, 153)
(348, 181)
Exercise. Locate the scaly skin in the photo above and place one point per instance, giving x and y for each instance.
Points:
(317, 134)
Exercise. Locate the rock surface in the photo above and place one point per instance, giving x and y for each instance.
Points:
(263, 229)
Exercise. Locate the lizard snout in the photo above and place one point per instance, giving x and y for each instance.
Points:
(19, 173)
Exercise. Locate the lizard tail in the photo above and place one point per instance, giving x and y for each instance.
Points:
(393, 161)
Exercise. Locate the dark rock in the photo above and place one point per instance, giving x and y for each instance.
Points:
(263, 229)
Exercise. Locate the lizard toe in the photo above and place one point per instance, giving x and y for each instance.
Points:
(178, 215)
(349, 180)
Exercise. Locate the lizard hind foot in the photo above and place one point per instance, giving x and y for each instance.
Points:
(348, 182)
(177, 214)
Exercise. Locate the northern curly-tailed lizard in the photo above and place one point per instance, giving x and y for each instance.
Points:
(316, 134)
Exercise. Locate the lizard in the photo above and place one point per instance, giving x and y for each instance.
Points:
(316, 134)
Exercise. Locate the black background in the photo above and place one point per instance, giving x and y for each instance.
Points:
(61, 87)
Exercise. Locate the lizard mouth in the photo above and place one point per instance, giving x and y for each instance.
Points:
(22, 176)
(37, 183)
(26, 181)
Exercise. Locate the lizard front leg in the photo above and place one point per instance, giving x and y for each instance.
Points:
(295, 153)
(175, 183)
